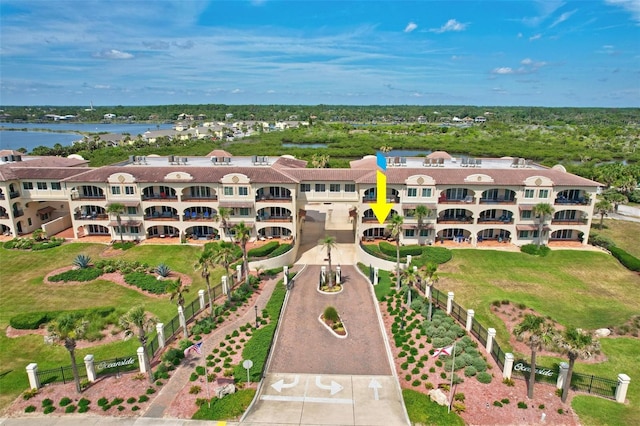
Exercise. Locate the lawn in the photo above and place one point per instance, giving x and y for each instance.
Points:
(624, 233)
(23, 290)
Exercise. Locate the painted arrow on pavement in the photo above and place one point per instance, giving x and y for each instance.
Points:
(333, 387)
(373, 384)
(279, 385)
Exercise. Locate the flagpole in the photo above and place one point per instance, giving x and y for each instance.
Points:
(206, 379)
(453, 364)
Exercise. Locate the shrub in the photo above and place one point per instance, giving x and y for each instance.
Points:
(470, 371)
(49, 409)
(70, 409)
(135, 408)
(390, 249)
(146, 282)
(47, 402)
(83, 402)
(131, 400)
(428, 385)
(83, 409)
(437, 255)
(628, 260)
(416, 383)
(194, 390)
(508, 382)
(30, 393)
(82, 261)
(163, 270)
(30, 409)
(541, 406)
(505, 400)
(126, 245)
(263, 250)
(535, 250)
(150, 391)
(331, 314)
(458, 397)
(282, 249)
(458, 407)
(497, 404)
(484, 377)
(560, 411)
(143, 398)
(65, 401)
(522, 405)
(601, 241)
(83, 275)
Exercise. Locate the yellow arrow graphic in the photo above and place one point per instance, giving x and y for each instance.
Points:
(381, 208)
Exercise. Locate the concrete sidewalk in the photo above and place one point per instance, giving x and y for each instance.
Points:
(81, 420)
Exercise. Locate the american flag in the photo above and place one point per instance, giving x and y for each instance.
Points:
(443, 351)
(197, 348)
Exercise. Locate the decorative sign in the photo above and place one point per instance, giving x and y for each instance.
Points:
(115, 363)
(526, 368)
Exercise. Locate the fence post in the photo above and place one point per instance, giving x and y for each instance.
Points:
(239, 272)
(338, 274)
(225, 286)
(32, 373)
(491, 334)
(449, 302)
(562, 375)
(201, 299)
(376, 271)
(408, 260)
(323, 274)
(285, 281)
(183, 321)
(470, 314)
(285, 271)
(621, 389)
(160, 331)
(143, 367)
(91, 370)
(508, 366)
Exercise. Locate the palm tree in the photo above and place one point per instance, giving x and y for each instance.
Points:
(69, 328)
(204, 265)
(395, 229)
(421, 212)
(224, 213)
(616, 199)
(224, 255)
(603, 207)
(576, 344)
(176, 291)
(117, 209)
(543, 212)
(136, 322)
(328, 243)
(539, 334)
(430, 277)
(242, 235)
(411, 278)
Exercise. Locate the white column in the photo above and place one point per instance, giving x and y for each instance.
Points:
(562, 375)
(623, 385)
(408, 260)
(338, 275)
(323, 274)
(376, 270)
(491, 334)
(225, 285)
(143, 368)
(160, 331)
(470, 315)
(449, 302)
(201, 299)
(285, 270)
(285, 280)
(91, 370)
(239, 272)
(32, 373)
(508, 366)
(183, 321)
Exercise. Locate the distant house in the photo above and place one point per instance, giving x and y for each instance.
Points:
(480, 119)
(109, 116)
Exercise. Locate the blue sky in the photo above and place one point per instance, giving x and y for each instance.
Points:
(546, 53)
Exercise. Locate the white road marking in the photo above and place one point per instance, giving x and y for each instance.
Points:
(343, 401)
(334, 387)
(279, 385)
(373, 384)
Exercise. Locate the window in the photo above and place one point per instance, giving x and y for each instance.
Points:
(228, 190)
(244, 211)
(132, 210)
(334, 187)
(320, 187)
(424, 232)
(42, 186)
(129, 190)
(528, 193)
(29, 221)
(526, 214)
(412, 192)
(426, 192)
(543, 193)
(115, 190)
(349, 187)
(134, 230)
(305, 187)
(243, 190)
(523, 234)
(409, 232)
(56, 186)
(27, 185)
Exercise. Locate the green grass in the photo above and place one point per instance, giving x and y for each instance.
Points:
(231, 407)
(422, 410)
(625, 234)
(23, 290)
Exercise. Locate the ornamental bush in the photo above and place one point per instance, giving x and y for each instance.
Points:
(281, 249)
(263, 250)
(331, 314)
(628, 260)
(146, 282)
(83, 274)
(390, 249)
(484, 377)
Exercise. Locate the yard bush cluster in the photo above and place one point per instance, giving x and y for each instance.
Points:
(421, 254)
(32, 244)
(33, 320)
(535, 250)
(146, 282)
(280, 250)
(264, 250)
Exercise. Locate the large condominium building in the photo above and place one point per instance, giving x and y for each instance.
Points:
(468, 199)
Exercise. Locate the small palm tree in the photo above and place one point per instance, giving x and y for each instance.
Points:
(395, 229)
(224, 255)
(603, 207)
(204, 265)
(421, 212)
(117, 209)
(411, 278)
(177, 291)
(137, 323)
(576, 344)
(538, 333)
(242, 235)
(224, 213)
(39, 234)
(543, 211)
(428, 274)
(69, 328)
(328, 243)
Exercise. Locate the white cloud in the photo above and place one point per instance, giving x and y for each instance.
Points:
(410, 27)
(503, 70)
(451, 25)
(235, 91)
(535, 37)
(563, 18)
(632, 6)
(112, 54)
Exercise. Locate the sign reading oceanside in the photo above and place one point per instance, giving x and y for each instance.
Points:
(119, 363)
(526, 368)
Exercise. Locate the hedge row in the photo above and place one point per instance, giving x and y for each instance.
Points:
(264, 250)
(85, 274)
(147, 282)
(33, 320)
(390, 249)
(426, 254)
(282, 249)
(628, 260)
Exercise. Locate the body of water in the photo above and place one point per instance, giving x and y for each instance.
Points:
(49, 134)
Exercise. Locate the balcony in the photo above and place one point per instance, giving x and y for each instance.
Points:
(160, 196)
(274, 219)
(572, 201)
(1, 196)
(91, 216)
(271, 198)
(495, 221)
(18, 213)
(80, 197)
(373, 200)
(190, 197)
(466, 200)
(166, 216)
(498, 200)
(13, 194)
(456, 220)
(568, 221)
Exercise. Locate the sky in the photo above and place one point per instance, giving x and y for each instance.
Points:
(500, 53)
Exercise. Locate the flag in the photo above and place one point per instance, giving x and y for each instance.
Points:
(443, 351)
(196, 348)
